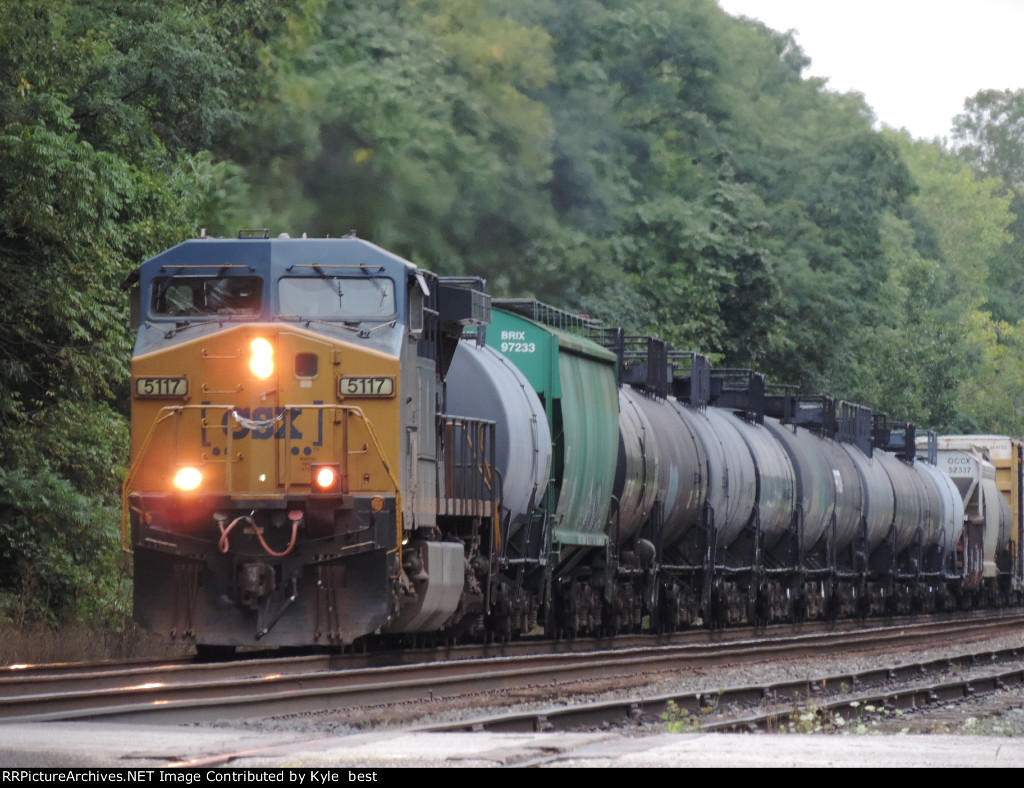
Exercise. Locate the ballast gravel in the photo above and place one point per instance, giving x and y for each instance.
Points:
(990, 714)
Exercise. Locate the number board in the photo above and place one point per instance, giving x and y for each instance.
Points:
(161, 387)
(366, 387)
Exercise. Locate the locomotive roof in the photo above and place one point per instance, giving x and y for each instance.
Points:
(276, 256)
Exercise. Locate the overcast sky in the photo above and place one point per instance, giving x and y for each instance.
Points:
(915, 61)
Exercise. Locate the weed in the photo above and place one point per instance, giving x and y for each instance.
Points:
(678, 721)
(811, 719)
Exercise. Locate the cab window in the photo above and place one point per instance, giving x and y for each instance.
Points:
(337, 297)
(206, 295)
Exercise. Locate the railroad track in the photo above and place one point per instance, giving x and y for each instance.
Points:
(773, 706)
(176, 692)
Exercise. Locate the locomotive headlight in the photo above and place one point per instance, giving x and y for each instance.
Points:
(188, 478)
(326, 477)
(261, 362)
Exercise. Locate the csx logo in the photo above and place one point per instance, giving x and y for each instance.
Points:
(264, 424)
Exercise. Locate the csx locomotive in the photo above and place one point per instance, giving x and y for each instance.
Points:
(330, 445)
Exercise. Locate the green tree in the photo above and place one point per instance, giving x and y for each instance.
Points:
(656, 164)
(989, 135)
(106, 113)
(408, 122)
(992, 395)
(639, 169)
(827, 182)
(939, 255)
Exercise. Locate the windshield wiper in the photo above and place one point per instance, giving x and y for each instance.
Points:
(187, 324)
(355, 326)
(333, 282)
(164, 287)
(376, 285)
(365, 332)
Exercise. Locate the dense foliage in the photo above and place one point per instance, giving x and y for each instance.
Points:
(654, 163)
(108, 115)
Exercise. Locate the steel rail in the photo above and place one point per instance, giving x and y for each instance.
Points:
(326, 659)
(310, 684)
(776, 702)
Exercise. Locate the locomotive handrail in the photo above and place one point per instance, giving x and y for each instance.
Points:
(126, 526)
(169, 411)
